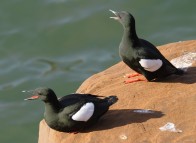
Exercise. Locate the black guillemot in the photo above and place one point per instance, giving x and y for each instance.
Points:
(139, 54)
(73, 112)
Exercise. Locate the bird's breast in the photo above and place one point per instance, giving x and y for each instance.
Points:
(125, 52)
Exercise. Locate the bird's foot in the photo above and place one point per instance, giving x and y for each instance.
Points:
(134, 80)
(132, 75)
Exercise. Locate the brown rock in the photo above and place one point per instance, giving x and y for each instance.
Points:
(173, 100)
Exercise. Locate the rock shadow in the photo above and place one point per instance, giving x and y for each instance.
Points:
(189, 77)
(122, 117)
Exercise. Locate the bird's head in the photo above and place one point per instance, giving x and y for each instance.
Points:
(124, 17)
(43, 93)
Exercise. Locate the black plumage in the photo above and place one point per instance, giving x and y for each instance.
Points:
(59, 113)
(139, 54)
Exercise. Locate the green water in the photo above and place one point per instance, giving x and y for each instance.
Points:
(60, 43)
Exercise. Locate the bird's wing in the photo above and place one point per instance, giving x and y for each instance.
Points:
(151, 64)
(151, 59)
(76, 97)
(82, 106)
(85, 112)
(150, 51)
(69, 100)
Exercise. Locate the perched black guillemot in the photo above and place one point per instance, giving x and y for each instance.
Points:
(139, 54)
(73, 112)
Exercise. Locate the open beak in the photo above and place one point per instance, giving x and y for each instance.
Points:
(115, 13)
(32, 93)
(32, 97)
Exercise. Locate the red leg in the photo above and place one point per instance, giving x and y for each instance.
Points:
(132, 75)
(134, 80)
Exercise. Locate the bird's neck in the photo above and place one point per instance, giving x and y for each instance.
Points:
(130, 35)
(52, 107)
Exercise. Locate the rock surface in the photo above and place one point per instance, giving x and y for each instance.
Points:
(173, 100)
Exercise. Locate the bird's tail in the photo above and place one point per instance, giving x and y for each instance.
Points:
(179, 72)
(111, 99)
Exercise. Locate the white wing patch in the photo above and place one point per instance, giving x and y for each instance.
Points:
(85, 112)
(151, 65)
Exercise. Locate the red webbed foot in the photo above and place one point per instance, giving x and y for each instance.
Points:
(132, 75)
(134, 79)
